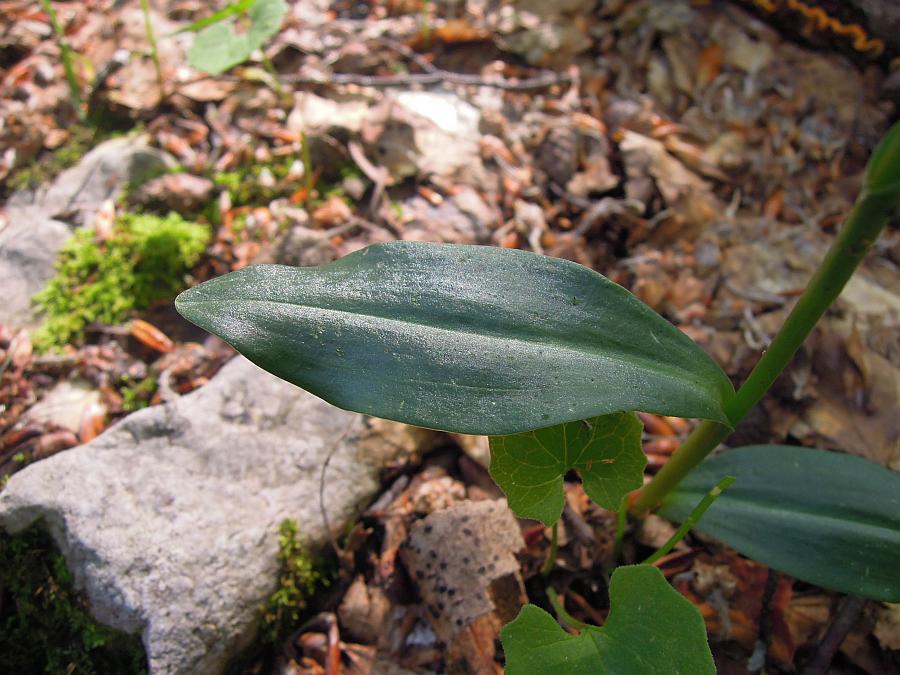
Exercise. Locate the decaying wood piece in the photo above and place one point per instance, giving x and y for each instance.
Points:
(463, 561)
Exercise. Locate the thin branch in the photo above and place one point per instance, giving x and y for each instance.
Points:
(437, 77)
(848, 612)
(542, 81)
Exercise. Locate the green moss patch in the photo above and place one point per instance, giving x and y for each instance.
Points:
(44, 625)
(298, 579)
(145, 260)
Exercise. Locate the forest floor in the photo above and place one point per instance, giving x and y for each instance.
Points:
(700, 154)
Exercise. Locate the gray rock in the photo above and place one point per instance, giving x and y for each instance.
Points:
(28, 248)
(37, 223)
(77, 193)
(169, 519)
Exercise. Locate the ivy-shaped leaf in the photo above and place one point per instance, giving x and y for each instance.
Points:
(265, 20)
(651, 629)
(218, 47)
(606, 451)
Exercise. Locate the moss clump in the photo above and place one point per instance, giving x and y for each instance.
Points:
(145, 260)
(44, 625)
(297, 581)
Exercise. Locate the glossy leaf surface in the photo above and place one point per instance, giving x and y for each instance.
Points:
(823, 517)
(473, 339)
(606, 451)
(651, 629)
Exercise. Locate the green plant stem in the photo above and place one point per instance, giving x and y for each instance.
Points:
(692, 519)
(273, 72)
(66, 54)
(703, 439)
(154, 51)
(864, 224)
(307, 166)
(563, 614)
(554, 545)
(425, 23)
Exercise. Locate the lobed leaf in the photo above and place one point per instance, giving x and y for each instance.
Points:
(472, 339)
(826, 518)
(265, 20)
(218, 47)
(606, 451)
(651, 629)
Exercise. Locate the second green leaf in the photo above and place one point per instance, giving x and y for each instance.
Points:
(606, 451)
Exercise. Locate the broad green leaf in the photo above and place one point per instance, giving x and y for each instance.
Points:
(651, 629)
(473, 339)
(826, 518)
(606, 451)
(218, 47)
(265, 20)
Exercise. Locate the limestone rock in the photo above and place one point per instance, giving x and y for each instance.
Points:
(28, 248)
(169, 519)
(39, 222)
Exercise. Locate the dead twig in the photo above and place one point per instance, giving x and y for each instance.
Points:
(757, 662)
(408, 53)
(438, 76)
(846, 616)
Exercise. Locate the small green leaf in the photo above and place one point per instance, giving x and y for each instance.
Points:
(265, 20)
(651, 629)
(606, 451)
(826, 518)
(473, 339)
(218, 47)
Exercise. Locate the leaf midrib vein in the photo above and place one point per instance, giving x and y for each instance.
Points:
(665, 370)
